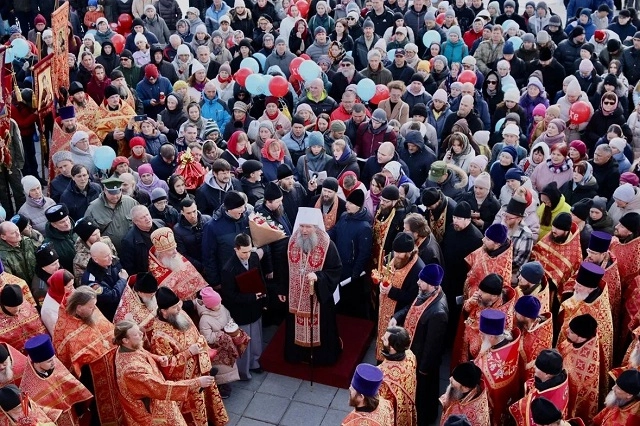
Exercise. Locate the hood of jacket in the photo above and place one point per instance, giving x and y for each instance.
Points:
(453, 169)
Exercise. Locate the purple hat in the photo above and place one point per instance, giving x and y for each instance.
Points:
(589, 275)
(599, 241)
(497, 232)
(39, 348)
(67, 112)
(492, 322)
(432, 274)
(528, 306)
(367, 379)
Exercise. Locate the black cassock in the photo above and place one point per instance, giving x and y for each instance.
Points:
(330, 345)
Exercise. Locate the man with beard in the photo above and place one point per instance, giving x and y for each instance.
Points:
(622, 404)
(399, 369)
(135, 246)
(559, 252)
(466, 395)
(106, 278)
(171, 269)
(460, 239)
(387, 223)
(550, 382)
(581, 353)
(398, 279)
(426, 322)
(536, 329)
(329, 203)
(130, 189)
(65, 126)
(19, 318)
(138, 302)
(499, 345)
(491, 294)
(175, 336)
(13, 409)
(44, 373)
(83, 339)
(545, 413)
(521, 237)
(114, 116)
(631, 358)
(368, 407)
(12, 365)
(120, 83)
(84, 105)
(428, 248)
(626, 246)
(294, 195)
(311, 331)
(531, 282)
(145, 395)
(590, 297)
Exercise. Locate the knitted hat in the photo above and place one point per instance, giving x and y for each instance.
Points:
(439, 95)
(419, 109)
(137, 141)
(625, 193)
(508, 49)
(368, 23)
(467, 374)
(581, 209)
(539, 110)
(528, 306)
(552, 192)
(630, 178)
(573, 88)
(514, 173)
(579, 146)
(379, 115)
(511, 151)
(511, 129)
(497, 233)
(562, 221)
(462, 210)
(233, 200)
(158, 194)
(492, 284)
(586, 66)
(39, 19)
(512, 95)
(533, 272)
(28, 183)
(618, 143)
(210, 297)
(613, 45)
(483, 181)
(481, 161)
(145, 169)
(337, 126)
(210, 127)
(492, 322)
(316, 138)
(355, 197)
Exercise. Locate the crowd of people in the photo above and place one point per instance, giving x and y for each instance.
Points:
(487, 206)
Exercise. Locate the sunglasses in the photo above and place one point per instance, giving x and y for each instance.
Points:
(492, 82)
(609, 103)
(346, 65)
(351, 19)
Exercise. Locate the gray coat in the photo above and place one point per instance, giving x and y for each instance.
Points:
(282, 61)
(316, 50)
(36, 213)
(158, 28)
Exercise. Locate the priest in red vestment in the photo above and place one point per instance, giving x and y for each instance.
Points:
(17, 409)
(500, 363)
(146, 397)
(622, 405)
(170, 268)
(631, 358)
(175, 336)
(532, 282)
(19, 320)
(7, 278)
(12, 364)
(536, 330)
(51, 385)
(369, 409)
(466, 395)
(87, 110)
(545, 413)
(550, 381)
(138, 303)
(112, 121)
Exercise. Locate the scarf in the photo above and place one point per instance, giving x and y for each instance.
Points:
(225, 80)
(559, 168)
(266, 154)
(552, 140)
(199, 86)
(36, 203)
(271, 117)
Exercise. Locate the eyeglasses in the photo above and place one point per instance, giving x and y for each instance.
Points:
(492, 82)
(124, 59)
(351, 19)
(609, 103)
(346, 65)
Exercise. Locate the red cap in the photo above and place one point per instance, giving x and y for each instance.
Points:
(151, 71)
(599, 35)
(120, 160)
(137, 141)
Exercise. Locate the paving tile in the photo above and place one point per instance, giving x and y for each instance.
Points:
(333, 417)
(266, 408)
(250, 422)
(283, 386)
(300, 413)
(238, 401)
(318, 394)
(253, 384)
(341, 400)
(233, 419)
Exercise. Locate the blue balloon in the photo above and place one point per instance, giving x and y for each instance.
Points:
(499, 124)
(309, 70)
(508, 23)
(516, 41)
(261, 59)
(8, 56)
(431, 36)
(250, 63)
(254, 84)
(103, 157)
(349, 54)
(266, 79)
(391, 54)
(366, 89)
(20, 48)
(507, 87)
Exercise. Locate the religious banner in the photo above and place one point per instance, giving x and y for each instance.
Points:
(43, 85)
(6, 84)
(60, 29)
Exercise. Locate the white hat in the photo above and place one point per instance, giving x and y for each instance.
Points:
(194, 10)
(196, 66)
(183, 49)
(512, 95)
(618, 143)
(102, 19)
(140, 37)
(308, 216)
(225, 18)
(469, 60)
(624, 193)
(394, 168)
(29, 182)
(511, 129)
(78, 136)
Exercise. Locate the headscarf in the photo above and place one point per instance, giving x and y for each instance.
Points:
(56, 286)
(232, 145)
(267, 155)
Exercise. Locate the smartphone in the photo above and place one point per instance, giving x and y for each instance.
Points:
(142, 117)
(159, 118)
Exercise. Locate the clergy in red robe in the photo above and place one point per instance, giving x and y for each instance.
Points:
(175, 336)
(532, 282)
(86, 108)
(631, 358)
(112, 120)
(500, 363)
(545, 413)
(146, 397)
(7, 278)
(138, 303)
(622, 405)
(50, 384)
(17, 409)
(369, 409)
(19, 320)
(12, 364)
(466, 395)
(536, 330)
(550, 381)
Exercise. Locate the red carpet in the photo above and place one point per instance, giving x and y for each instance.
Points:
(355, 334)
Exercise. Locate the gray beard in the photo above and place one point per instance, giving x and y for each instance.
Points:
(173, 263)
(151, 304)
(612, 401)
(89, 321)
(179, 321)
(453, 394)
(307, 244)
(634, 358)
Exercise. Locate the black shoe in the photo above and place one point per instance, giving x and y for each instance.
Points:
(256, 370)
(225, 391)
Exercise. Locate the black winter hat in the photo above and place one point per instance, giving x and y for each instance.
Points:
(272, 191)
(356, 197)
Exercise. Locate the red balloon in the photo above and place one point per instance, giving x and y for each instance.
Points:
(382, 93)
(118, 41)
(303, 7)
(278, 86)
(241, 75)
(468, 76)
(440, 19)
(580, 112)
(305, 56)
(125, 20)
(295, 64)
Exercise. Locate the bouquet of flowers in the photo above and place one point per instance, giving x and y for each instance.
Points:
(192, 171)
(264, 231)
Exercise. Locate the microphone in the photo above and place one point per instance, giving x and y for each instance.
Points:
(212, 373)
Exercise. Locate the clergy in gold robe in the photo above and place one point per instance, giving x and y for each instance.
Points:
(146, 397)
(536, 330)
(533, 282)
(17, 409)
(581, 354)
(12, 365)
(399, 369)
(466, 395)
(590, 297)
(550, 381)
(369, 409)
(83, 337)
(19, 320)
(175, 336)
(51, 385)
(559, 252)
(622, 405)
(138, 302)
(500, 363)
(631, 358)
(113, 118)
(86, 108)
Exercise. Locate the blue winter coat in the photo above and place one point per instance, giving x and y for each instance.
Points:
(147, 91)
(215, 109)
(218, 242)
(352, 236)
(454, 52)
